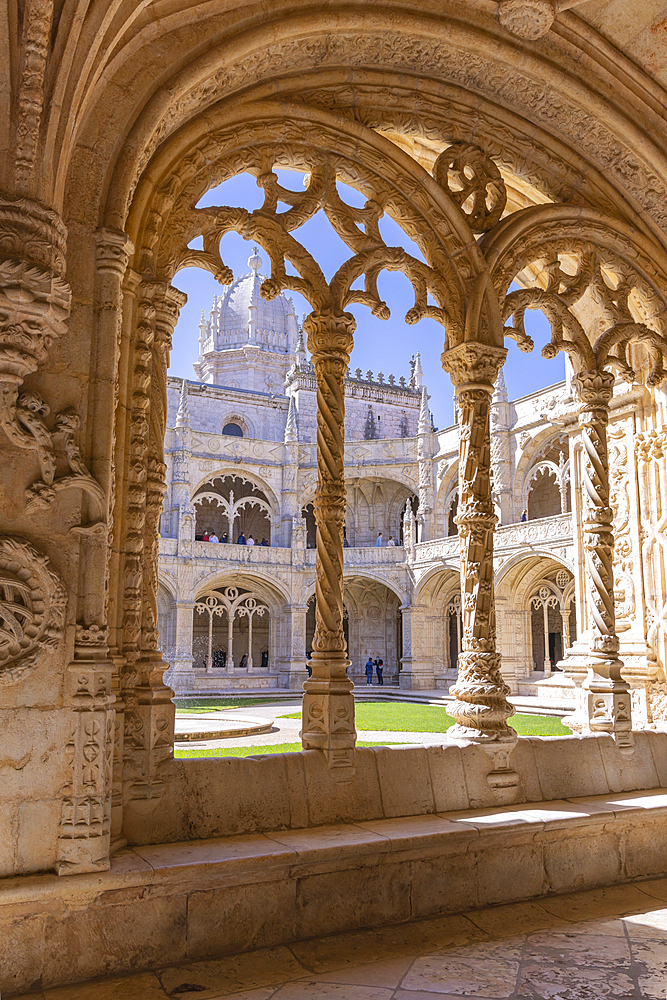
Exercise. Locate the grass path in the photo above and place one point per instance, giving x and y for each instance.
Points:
(410, 718)
(253, 751)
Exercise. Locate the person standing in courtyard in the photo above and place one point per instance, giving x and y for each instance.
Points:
(369, 671)
(379, 667)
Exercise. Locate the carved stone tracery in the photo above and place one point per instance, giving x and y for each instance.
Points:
(630, 335)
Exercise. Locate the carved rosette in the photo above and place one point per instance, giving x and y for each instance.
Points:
(32, 608)
(609, 697)
(530, 19)
(481, 709)
(328, 719)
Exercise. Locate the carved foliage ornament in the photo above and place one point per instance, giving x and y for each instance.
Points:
(32, 608)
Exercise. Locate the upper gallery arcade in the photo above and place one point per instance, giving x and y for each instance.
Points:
(520, 146)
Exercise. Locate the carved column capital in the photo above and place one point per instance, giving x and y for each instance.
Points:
(113, 251)
(594, 388)
(32, 233)
(330, 335)
(472, 365)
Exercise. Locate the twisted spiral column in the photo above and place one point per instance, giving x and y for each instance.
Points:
(609, 707)
(481, 708)
(328, 704)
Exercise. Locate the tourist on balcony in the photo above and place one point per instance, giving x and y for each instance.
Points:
(391, 542)
(379, 667)
(378, 540)
(213, 537)
(241, 540)
(264, 543)
(251, 540)
(346, 544)
(224, 539)
(524, 515)
(369, 670)
(204, 537)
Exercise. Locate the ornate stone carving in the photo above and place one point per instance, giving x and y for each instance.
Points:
(37, 17)
(474, 182)
(528, 19)
(34, 309)
(85, 823)
(631, 310)
(328, 710)
(481, 709)
(32, 608)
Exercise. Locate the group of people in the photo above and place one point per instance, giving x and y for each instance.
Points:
(376, 665)
(241, 540)
(379, 542)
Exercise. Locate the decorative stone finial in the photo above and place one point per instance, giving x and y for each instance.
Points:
(255, 261)
(291, 427)
(424, 425)
(183, 417)
(500, 389)
(418, 373)
(530, 19)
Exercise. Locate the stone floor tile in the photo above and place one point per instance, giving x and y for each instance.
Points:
(478, 975)
(651, 956)
(264, 993)
(579, 947)
(561, 983)
(312, 990)
(338, 951)
(595, 904)
(435, 934)
(514, 918)
(145, 986)
(652, 924)
(387, 973)
(614, 927)
(232, 975)
(657, 888)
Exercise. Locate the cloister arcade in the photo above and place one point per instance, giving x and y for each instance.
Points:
(530, 173)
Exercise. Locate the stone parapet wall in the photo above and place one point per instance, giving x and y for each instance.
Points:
(167, 903)
(222, 797)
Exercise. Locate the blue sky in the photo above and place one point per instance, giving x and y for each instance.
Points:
(380, 345)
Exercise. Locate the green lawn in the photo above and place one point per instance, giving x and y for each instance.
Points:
(254, 751)
(406, 717)
(193, 706)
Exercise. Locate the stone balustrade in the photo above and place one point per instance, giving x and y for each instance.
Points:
(543, 533)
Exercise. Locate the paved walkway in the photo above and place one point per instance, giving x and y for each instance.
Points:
(607, 944)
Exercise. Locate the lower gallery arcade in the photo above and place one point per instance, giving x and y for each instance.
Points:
(115, 856)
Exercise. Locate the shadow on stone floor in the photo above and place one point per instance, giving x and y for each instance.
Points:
(605, 944)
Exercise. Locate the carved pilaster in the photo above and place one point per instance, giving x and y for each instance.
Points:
(149, 714)
(328, 709)
(36, 38)
(609, 708)
(481, 709)
(85, 825)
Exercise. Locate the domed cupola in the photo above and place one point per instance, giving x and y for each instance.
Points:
(242, 324)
